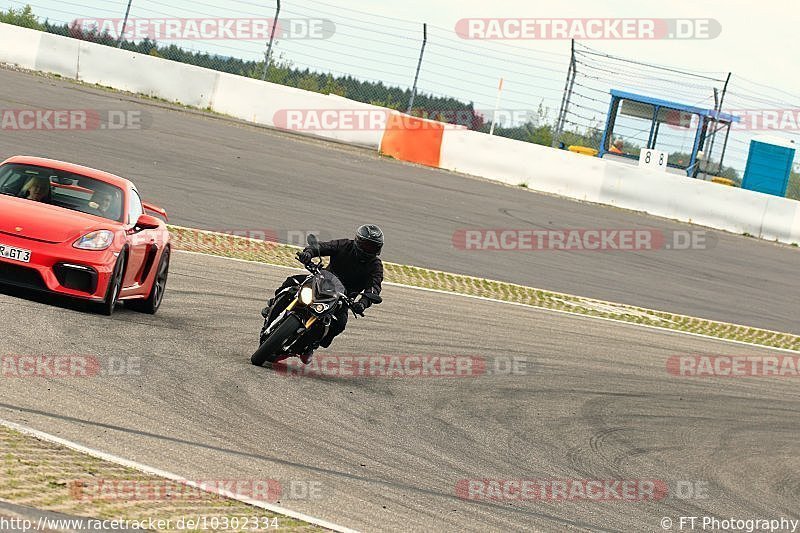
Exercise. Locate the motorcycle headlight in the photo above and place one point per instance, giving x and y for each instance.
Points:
(96, 240)
(306, 295)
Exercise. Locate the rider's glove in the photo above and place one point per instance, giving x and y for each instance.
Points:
(358, 308)
(304, 257)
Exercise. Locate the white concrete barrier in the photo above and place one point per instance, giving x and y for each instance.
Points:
(276, 105)
(367, 133)
(240, 97)
(700, 202)
(58, 55)
(778, 220)
(19, 46)
(622, 185)
(153, 76)
(796, 227)
(256, 101)
(514, 162)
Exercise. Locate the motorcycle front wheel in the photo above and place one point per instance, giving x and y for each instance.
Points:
(272, 347)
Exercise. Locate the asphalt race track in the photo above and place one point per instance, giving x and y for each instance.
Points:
(217, 174)
(594, 401)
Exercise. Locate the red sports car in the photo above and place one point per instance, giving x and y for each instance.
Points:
(82, 233)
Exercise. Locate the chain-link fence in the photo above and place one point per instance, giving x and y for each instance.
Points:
(762, 111)
(594, 74)
(427, 70)
(423, 69)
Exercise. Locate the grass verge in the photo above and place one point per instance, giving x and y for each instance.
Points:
(51, 477)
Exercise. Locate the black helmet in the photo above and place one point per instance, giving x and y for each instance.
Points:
(369, 240)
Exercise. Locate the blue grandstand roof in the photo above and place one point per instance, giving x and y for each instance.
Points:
(723, 117)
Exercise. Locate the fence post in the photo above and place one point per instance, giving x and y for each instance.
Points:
(565, 98)
(496, 106)
(419, 66)
(268, 54)
(722, 99)
(124, 25)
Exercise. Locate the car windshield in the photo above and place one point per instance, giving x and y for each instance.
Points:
(64, 189)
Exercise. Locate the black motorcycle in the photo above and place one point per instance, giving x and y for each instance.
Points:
(305, 321)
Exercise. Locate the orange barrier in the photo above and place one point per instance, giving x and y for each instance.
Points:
(413, 139)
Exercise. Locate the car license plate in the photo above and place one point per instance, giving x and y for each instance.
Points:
(15, 254)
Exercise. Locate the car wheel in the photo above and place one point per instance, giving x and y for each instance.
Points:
(114, 287)
(153, 301)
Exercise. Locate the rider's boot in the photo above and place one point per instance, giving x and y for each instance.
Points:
(306, 356)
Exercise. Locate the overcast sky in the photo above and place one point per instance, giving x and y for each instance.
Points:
(759, 40)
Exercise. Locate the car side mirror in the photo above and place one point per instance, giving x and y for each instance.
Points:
(148, 222)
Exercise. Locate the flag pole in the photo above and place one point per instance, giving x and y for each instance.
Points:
(496, 106)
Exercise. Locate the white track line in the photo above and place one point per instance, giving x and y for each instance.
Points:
(559, 311)
(172, 477)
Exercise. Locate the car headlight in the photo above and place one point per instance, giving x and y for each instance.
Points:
(306, 295)
(96, 240)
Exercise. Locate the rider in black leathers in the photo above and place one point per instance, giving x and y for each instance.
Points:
(357, 265)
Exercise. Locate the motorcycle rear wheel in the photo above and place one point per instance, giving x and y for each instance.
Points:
(272, 348)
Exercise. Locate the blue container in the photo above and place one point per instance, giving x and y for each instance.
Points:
(769, 165)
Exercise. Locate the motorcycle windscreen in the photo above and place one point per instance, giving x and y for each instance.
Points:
(328, 285)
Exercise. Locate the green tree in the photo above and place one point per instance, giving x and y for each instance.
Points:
(793, 190)
(541, 135)
(21, 17)
(308, 82)
(332, 86)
